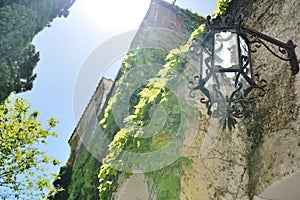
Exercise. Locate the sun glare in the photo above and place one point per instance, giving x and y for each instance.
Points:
(115, 14)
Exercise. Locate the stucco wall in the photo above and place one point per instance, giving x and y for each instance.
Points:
(265, 148)
(278, 154)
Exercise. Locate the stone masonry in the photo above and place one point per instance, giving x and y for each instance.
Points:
(265, 147)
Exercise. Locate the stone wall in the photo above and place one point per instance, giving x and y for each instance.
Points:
(79, 175)
(265, 148)
(220, 166)
(89, 120)
(277, 114)
(163, 27)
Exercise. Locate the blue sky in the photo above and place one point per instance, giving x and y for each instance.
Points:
(66, 45)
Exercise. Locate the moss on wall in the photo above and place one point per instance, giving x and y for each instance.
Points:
(265, 146)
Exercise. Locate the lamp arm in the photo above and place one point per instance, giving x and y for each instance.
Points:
(289, 47)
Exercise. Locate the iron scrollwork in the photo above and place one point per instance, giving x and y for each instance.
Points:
(286, 51)
(245, 86)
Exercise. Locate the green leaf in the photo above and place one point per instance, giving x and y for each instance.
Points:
(20, 160)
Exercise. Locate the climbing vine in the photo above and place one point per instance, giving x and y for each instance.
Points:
(121, 138)
(130, 137)
(127, 133)
(221, 7)
(165, 182)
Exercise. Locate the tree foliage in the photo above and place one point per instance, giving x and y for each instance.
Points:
(20, 21)
(23, 166)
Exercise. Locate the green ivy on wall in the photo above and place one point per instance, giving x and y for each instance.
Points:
(221, 6)
(79, 181)
(165, 182)
(129, 138)
(120, 138)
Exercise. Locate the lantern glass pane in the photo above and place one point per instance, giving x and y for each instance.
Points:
(206, 63)
(226, 49)
(245, 58)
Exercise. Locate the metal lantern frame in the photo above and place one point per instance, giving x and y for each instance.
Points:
(227, 39)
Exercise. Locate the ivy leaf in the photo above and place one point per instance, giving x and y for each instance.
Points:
(170, 184)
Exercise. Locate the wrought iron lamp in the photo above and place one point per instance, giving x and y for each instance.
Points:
(225, 76)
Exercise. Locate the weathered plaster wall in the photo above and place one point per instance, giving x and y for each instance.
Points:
(278, 154)
(266, 147)
(133, 188)
(219, 168)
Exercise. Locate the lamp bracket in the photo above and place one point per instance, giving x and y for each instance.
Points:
(288, 49)
(233, 106)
